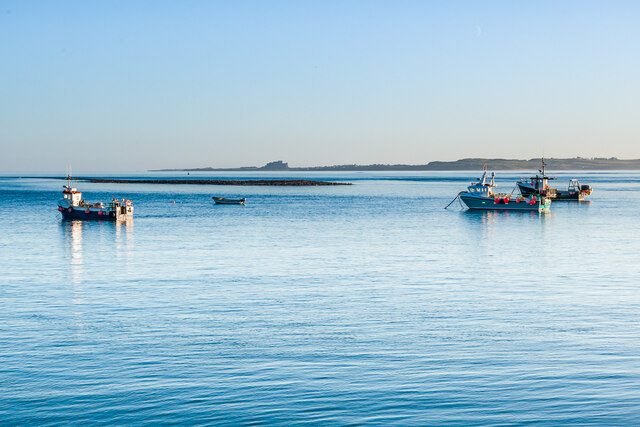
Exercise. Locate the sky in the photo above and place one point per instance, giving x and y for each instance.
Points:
(137, 85)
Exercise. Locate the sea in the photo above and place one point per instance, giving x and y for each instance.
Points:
(327, 305)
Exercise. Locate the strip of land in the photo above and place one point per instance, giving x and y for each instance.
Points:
(259, 182)
(470, 164)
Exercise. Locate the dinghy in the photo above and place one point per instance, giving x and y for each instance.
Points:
(223, 201)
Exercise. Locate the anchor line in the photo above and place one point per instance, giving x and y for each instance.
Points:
(454, 199)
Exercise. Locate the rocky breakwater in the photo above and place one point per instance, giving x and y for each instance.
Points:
(260, 182)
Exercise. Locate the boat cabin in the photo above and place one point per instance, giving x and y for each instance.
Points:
(72, 196)
(538, 182)
(483, 188)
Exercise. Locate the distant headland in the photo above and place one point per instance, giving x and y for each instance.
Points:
(577, 163)
(258, 182)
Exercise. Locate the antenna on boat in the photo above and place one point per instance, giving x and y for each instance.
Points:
(69, 176)
(542, 170)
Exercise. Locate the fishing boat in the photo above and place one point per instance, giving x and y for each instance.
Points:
(72, 206)
(481, 195)
(223, 201)
(539, 186)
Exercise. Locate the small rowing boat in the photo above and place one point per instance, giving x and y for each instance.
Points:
(223, 201)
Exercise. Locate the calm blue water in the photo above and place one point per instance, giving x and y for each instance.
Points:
(360, 304)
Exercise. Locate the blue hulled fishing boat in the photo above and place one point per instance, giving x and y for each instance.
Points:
(72, 206)
(539, 186)
(481, 195)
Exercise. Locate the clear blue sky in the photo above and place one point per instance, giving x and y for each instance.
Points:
(133, 85)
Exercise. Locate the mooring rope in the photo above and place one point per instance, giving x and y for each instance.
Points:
(454, 199)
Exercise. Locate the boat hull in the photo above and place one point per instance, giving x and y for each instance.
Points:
(579, 196)
(570, 195)
(93, 214)
(485, 203)
(527, 190)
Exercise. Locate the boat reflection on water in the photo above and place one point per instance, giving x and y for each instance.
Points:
(76, 254)
(489, 218)
(500, 232)
(103, 239)
(124, 233)
(89, 244)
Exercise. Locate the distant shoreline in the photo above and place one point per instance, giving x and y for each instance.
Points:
(250, 182)
(470, 164)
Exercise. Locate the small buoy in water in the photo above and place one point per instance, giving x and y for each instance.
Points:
(60, 209)
(174, 202)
